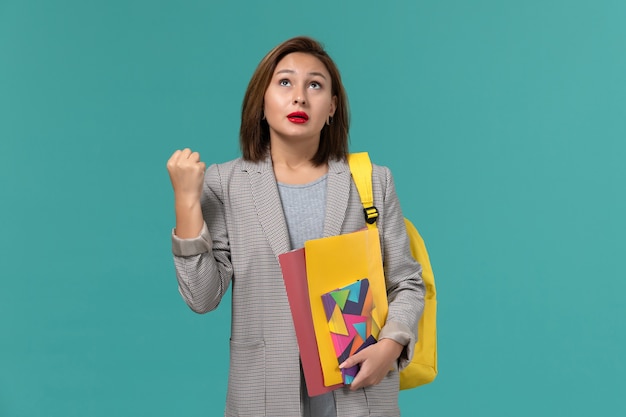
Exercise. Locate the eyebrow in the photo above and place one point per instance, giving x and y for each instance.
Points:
(288, 71)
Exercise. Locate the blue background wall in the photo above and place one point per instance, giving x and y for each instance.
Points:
(503, 122)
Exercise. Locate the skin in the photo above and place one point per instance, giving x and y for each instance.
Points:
(187, 174)
(300, 82)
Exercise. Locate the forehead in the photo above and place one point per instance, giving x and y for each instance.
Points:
(301, 62)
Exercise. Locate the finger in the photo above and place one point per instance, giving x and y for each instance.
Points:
(175, 155)
(194, 157)
(184, 154)
(365, 378)
(172, 161)
(356, 383)
(352, 360)
(360, 380)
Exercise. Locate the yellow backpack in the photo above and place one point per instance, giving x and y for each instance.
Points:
(423, 366)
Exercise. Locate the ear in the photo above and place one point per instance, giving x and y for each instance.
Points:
(333, 106)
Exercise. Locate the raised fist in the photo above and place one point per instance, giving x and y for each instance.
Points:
(187, 174)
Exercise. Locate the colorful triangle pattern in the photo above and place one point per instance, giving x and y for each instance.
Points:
(352, 321)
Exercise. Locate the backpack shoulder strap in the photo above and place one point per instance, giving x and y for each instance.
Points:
(361, 169)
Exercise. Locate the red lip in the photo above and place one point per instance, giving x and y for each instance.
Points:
(298, 117)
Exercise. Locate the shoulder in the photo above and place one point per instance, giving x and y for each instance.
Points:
(382, 176)
(218, 176)
(223, 171)
(380, 171)
(240, 165)
(227, 166)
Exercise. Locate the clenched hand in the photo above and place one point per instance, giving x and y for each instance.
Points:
(187, 176)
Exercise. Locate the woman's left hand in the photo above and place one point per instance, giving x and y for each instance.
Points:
(376, 361)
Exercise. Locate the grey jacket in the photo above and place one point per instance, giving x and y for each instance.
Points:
(243, 235)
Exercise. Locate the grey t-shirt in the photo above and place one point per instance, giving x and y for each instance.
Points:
(304, 207)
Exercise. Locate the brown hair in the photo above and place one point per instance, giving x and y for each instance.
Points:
(254, 137)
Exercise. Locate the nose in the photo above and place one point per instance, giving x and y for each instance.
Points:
(300, 97)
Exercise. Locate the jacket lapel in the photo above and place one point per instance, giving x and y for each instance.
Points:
(268, 204)
(337, 196)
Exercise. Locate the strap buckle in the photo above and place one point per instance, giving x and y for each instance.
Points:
(371, 214)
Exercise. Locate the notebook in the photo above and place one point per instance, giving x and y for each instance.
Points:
(349, 315)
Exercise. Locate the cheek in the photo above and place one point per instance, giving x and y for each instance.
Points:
(325, 107)
(270, 107)
(272, 100)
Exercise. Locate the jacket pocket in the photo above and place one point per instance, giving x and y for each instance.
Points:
(246, 380)
(382, 399)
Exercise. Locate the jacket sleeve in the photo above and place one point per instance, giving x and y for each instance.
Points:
(403, 274)
(203, 266)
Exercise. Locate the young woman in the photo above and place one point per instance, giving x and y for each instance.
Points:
(291, 184)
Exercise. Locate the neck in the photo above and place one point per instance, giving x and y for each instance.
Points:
(292, 165)
(292, 155)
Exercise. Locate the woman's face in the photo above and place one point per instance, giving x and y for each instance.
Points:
(298, 100)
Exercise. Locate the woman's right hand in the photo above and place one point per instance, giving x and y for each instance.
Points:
(187, 175)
